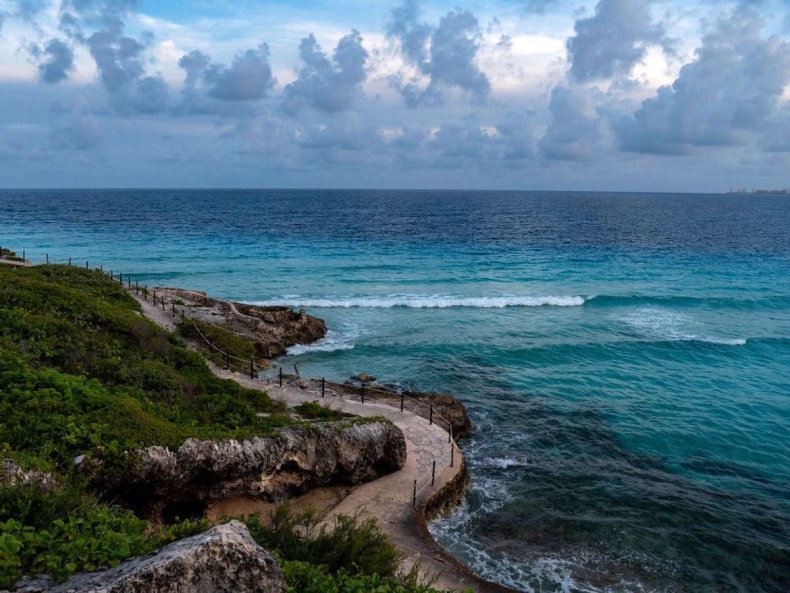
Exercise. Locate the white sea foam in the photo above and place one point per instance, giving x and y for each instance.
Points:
(669, 325)
(428, 301)
(506, 462)
(342, 340)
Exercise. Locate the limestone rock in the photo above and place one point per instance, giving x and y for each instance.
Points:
(292, 462)
(224, 559)
(12, 475)
(272, 329)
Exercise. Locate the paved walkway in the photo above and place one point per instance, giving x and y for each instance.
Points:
(388, 499)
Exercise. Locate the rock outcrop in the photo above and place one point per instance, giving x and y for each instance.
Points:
(13, 475)
(272, 329)
(224, 559)
(164, 483)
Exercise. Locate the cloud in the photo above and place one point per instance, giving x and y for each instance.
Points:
(81, 133)
(729, 91)
(328, 86)
(577, 130)
(777, 136)
(445, 55)
(539, 6)
(58, 62)
(613, 40)
(249, 76)
(117, 57)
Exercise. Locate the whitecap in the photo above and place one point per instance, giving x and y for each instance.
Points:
(672, 326)
(506, 462)
(427, 301)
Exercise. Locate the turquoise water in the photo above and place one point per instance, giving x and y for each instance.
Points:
(625, 358)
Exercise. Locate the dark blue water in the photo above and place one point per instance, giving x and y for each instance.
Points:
(626, 358)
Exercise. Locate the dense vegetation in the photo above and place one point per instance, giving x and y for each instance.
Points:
(350, 556)
(82, 372)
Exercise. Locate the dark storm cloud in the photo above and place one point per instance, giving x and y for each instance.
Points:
(58, 61)
(729, 91)
(613, 40)
(328, 85)
(445, 54)
(577, 131)
(249, 76)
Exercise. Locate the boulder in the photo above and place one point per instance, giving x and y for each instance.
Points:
(224, 559)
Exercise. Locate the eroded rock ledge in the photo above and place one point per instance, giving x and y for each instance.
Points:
(272, 329)
(224, 559)
(161, 482)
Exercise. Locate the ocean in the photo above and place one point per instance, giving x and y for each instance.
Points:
(625, 357)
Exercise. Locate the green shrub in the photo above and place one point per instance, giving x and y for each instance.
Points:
(68, 530)
(316, 411)
(352, 544)
(90, 538)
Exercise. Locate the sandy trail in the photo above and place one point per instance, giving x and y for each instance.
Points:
(388, 499)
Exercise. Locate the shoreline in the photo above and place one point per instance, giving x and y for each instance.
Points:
(384, 497)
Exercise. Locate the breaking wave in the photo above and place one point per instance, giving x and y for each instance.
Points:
(427, 301)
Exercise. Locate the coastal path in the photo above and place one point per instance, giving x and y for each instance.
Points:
(389, 499)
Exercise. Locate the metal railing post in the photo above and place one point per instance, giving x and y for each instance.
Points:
(281, 376)
(363, 393)
(414, 496)
(433, 473)
(323, 386)
(430, 414)
(452, 454)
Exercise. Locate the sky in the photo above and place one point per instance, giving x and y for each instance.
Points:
(609, 95)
